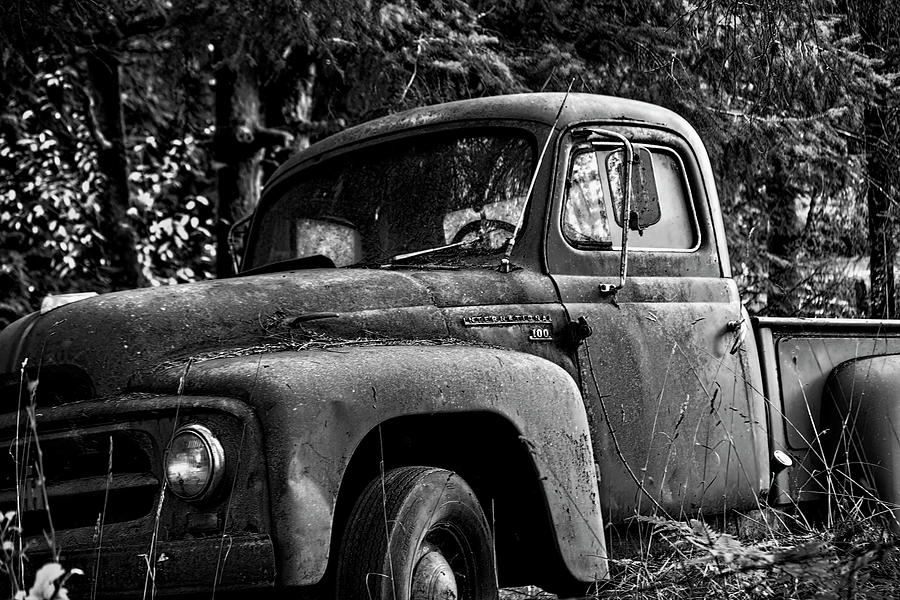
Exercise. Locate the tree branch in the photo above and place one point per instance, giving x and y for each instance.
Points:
(831, 113)
(93, 126)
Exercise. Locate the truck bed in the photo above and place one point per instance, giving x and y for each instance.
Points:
(797, 356)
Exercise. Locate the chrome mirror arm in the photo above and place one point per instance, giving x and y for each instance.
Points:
(626, 205)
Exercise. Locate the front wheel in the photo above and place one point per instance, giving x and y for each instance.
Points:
(436, 545)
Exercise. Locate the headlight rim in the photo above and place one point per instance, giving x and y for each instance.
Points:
(216, 454)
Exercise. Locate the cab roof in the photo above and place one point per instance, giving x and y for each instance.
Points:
(539, 108)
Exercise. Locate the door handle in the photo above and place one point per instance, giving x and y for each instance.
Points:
(579, 330)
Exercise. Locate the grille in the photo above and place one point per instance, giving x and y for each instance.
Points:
(56, 385)
(84, 471)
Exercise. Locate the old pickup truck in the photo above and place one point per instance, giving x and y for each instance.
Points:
(466, 342)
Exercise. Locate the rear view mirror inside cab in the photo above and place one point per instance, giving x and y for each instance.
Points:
(645, 209)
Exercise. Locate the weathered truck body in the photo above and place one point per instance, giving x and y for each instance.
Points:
(442, 293)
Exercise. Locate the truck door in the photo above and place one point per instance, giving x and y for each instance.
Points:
(670, 386)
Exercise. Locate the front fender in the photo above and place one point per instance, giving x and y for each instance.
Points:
(316, 406)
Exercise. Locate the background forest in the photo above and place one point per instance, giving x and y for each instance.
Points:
(134, 133)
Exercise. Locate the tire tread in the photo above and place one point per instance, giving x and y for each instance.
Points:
(366, 527)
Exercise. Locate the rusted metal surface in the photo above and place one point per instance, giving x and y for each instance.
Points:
(536, 108)
(119, 336)
(804, 364)
(798, 357)
(316, 406)
(12, 338)
(132, 429)
(863, 419)
(181, 567)
(807, 351)
(676, 416)
(146, 331)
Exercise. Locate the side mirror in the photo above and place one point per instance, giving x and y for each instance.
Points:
(644, 210)
(634, 198)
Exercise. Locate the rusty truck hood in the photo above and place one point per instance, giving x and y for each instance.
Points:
(111, 342)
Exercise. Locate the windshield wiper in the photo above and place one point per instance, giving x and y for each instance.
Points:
(402, 257)
(312, 261)
(421, 266)
(389, 266)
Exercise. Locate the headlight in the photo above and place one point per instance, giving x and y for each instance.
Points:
(195, 462)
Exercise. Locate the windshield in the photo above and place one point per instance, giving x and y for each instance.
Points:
(457, 196)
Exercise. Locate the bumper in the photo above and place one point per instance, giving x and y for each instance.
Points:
(182, 568)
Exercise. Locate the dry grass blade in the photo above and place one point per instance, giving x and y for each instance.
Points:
(40, 484)
(18, 446)
(387, 527)
(222, 556)
(699, 561)
(101, 522)
(150, 558)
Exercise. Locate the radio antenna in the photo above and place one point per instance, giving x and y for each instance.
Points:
(504, 262)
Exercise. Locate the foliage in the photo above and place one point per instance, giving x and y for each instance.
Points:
(49, 583)
(786, 101)
(48, 196)
(174, 222)
(777, 91)
(408, 53)
(50, 579)
(49, 206)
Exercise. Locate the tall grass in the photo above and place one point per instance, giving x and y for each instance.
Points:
(689, 560)
(49, 580)
(768, 554)
(850, 552)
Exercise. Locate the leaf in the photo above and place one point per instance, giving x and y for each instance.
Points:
(44, 587)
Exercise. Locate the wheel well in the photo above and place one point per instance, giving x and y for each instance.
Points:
(486, 450)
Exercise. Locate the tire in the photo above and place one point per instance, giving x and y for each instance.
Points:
(438, 545)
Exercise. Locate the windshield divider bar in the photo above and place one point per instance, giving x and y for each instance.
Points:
(504, 262)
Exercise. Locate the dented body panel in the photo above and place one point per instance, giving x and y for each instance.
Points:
(318, 405)
(674, 411)
(799, 357)
(862, 417)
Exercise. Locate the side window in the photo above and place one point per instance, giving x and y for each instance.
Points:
(584, 220)
(592, 210)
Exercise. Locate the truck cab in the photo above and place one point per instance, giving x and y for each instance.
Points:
(442, 194)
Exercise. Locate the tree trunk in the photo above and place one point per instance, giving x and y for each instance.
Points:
(882, 224)
(301, 104)
(783, 241)
(875, 40)
(120, 251)
(239, 152)
(289, 103)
